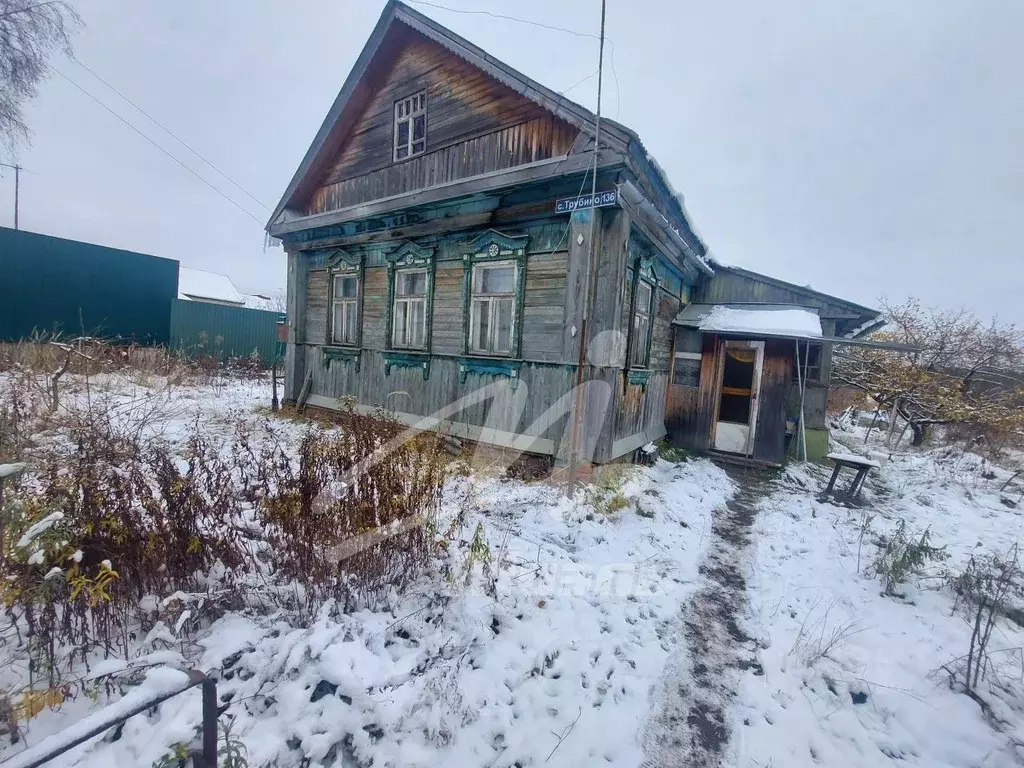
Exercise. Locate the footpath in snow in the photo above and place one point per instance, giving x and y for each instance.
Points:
(690, 723)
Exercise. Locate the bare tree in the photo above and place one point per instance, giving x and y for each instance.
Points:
(964, 372)
(279, 300)
(30, 32)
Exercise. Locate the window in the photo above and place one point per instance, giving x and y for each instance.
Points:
(409, 329)
(411, 126)
(686, 362)
(641, 324)
(345, 309)
(491, 318)
(686, 369)
(810, 360)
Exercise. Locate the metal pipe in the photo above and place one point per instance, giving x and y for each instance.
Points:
(591, 279)
(803, 391)
(195, 678)
(802, 437)
(209, 722)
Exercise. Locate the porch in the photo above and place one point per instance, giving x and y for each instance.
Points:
(739, 383)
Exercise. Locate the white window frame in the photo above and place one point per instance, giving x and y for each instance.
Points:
(406, 111)
(349, 337)
(640, 344)
(492, 299)
(409, 301)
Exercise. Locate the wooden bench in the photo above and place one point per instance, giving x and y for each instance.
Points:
(858, 463)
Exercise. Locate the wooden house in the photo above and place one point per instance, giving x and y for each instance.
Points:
(446, 260)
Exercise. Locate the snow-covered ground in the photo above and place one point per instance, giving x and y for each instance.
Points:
(568, 660)
(880, 692)
(559, 663)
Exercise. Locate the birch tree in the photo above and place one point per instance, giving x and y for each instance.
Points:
(30, 32)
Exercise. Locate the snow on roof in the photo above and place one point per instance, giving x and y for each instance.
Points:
(774, 321)
(255, 301)
(198, 284)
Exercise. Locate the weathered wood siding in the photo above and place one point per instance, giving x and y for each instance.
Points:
(508, 408)
(691, 411)
(447, 331)
(375, 307)
(545, 308)
(474, 125)
(727, 287)
(316, 307)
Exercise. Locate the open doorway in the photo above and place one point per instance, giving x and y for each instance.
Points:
(736, 415)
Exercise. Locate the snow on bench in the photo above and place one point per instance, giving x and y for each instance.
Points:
(854, 459)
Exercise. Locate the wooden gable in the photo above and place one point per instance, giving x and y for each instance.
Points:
(475, 124)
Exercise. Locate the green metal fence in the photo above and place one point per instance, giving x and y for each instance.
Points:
(200, 329)
(50, 284)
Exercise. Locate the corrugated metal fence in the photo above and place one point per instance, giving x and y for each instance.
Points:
(200, 329)
(54, 285)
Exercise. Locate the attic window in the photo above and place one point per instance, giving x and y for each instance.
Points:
(411, 126)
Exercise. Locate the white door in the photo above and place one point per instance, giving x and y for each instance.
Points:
(738, 384)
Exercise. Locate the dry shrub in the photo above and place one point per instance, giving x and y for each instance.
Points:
(357, 517)
(124, 519)
(242, 524)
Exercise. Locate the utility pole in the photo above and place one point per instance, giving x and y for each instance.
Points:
(577, 415)
(17, 174)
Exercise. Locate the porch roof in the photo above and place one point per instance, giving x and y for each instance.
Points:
(761, 320)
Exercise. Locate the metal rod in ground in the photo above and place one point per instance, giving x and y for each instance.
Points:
(274, 404)
(209, 723)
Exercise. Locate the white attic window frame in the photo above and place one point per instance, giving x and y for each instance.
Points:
(410, 112)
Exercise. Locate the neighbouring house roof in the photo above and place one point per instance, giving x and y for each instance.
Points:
(256, 301)
(200, 285)
(342, 113)
(197, 285)
(779, 321)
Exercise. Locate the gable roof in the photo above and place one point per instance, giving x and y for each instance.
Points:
(350, 100)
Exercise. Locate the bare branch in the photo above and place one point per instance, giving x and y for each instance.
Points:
(29, 35)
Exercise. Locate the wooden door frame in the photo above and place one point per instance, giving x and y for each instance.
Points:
(755, 386)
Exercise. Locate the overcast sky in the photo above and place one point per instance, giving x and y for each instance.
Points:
(866, 148)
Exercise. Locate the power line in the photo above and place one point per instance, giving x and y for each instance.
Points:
(170, 133)
(151, 141)
(542, 26)
(506, 18)
(578, 83)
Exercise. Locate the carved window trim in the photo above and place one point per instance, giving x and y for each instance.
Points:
(489, 249)
(341, 264)
(410, 257)
(641, 320)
